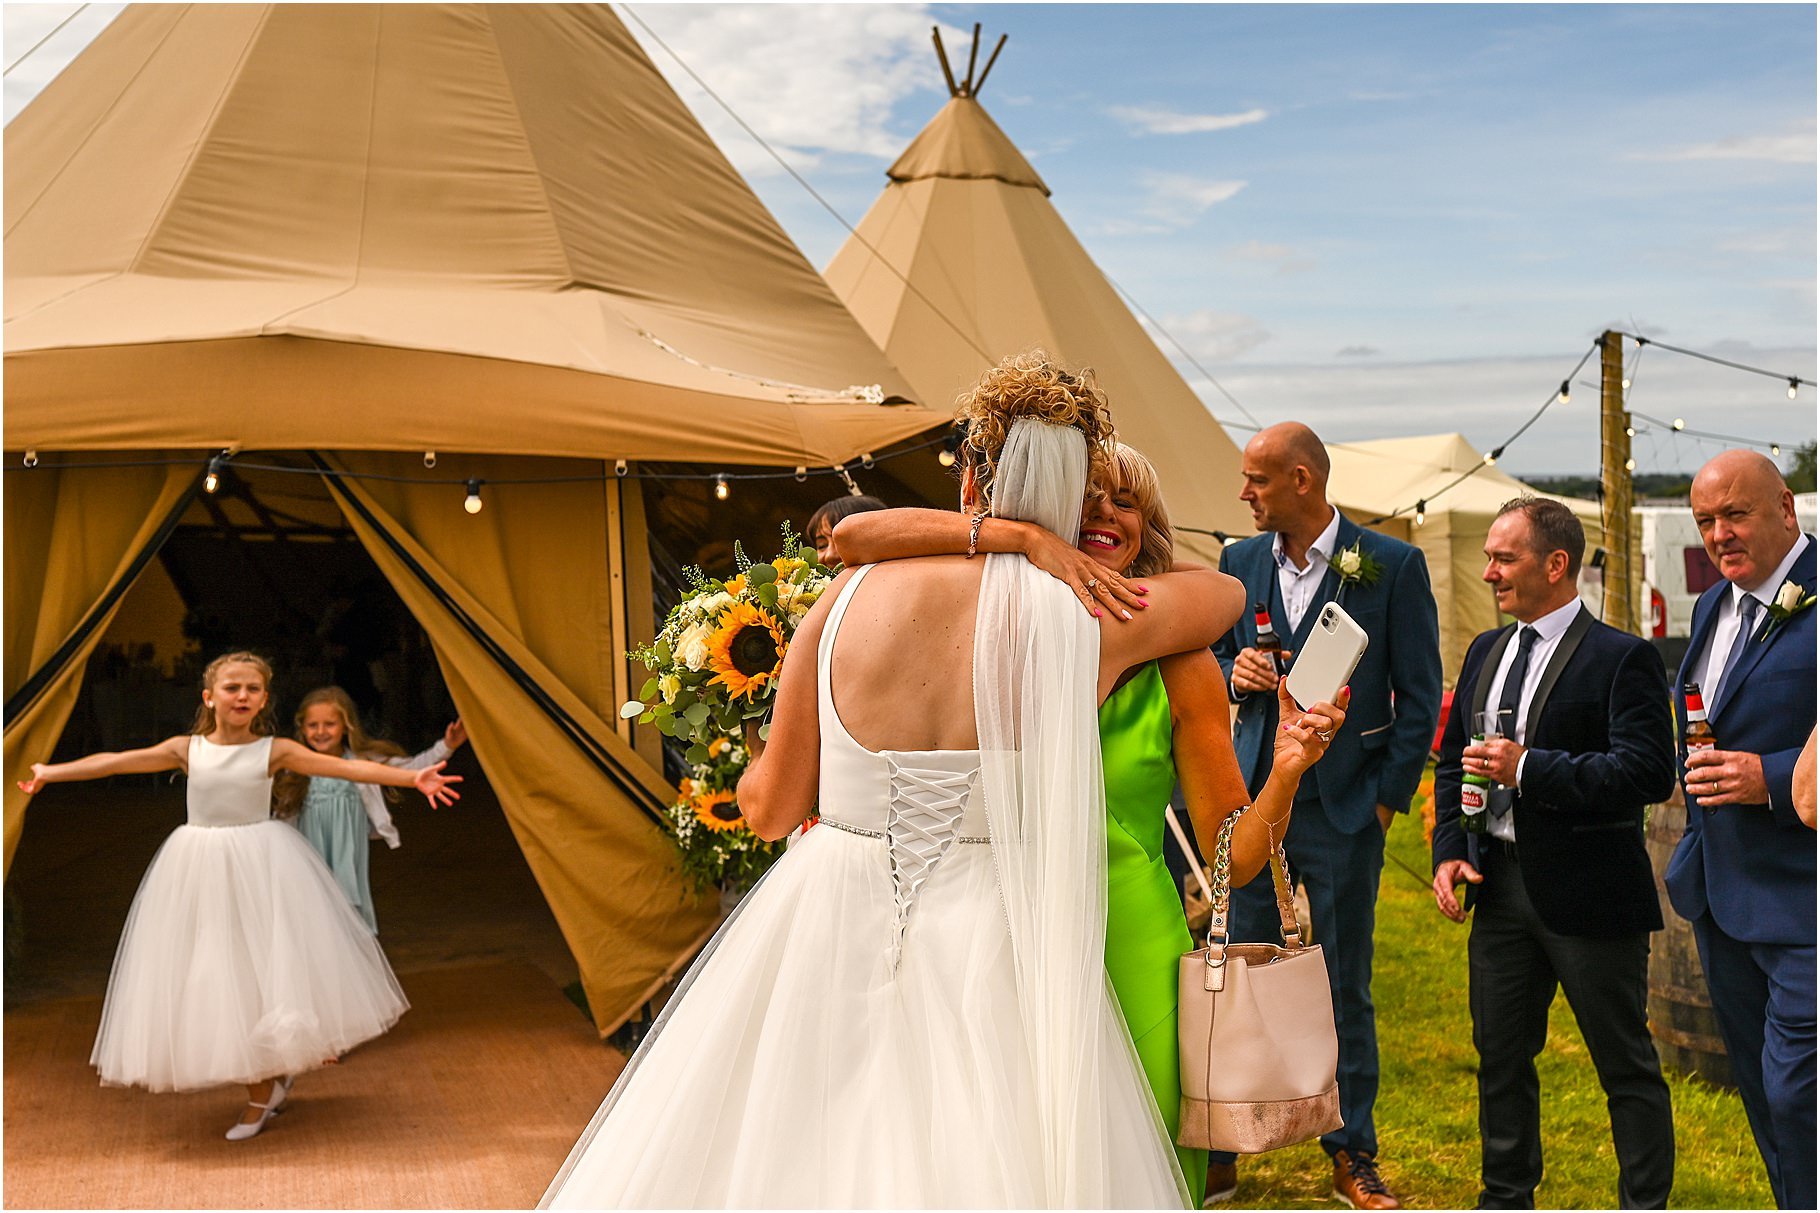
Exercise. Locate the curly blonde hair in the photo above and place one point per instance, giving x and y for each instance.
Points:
(1031, 385)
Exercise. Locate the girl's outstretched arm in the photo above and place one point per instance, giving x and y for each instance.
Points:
(171, 754)
(288, 755)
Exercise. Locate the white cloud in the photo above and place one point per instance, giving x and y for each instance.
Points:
(1177, 200)
(1155, 121)
(1286, 259)
(814, 81)
(1795, 147)
(1486, 399)
(1211, 335)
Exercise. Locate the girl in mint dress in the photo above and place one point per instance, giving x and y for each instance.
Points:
(337, 817)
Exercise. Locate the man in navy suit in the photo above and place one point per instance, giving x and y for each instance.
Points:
(1561, 880)
(1743, 873)
(1335, 840)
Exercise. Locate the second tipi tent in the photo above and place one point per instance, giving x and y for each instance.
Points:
(963, 259)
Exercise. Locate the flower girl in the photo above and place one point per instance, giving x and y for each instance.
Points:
(241, 962)
(338, 817)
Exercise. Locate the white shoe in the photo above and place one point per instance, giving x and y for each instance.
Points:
(245, 1130)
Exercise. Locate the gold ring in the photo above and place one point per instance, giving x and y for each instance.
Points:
(1092, 582)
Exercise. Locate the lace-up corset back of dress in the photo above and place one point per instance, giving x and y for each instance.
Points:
(921, 803)
(229, 785)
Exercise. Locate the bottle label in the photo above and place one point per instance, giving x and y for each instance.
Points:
(1472, 798)
(1694, 747)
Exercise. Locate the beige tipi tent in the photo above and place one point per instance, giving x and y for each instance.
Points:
(340, 233)
(1390, 476)
(963, 259)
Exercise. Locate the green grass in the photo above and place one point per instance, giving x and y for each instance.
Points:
(1427, 1111)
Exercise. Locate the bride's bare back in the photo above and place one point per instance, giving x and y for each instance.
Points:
(902, 670)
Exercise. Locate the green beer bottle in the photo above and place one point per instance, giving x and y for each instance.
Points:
(1475, 792)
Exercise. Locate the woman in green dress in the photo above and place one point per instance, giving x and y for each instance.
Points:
(1165, 722)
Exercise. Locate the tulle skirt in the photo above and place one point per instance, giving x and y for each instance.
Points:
(240, 961)
(796, 1067)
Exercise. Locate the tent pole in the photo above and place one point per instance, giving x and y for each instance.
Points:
(1615, 484)
(973, 58)
(941, 53)
(990, 60)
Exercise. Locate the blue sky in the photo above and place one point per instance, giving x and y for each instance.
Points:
(1381, 219)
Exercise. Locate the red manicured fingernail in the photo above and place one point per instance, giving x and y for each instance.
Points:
(1096, 612)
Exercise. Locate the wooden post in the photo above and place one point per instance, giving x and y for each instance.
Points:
(1615, 480)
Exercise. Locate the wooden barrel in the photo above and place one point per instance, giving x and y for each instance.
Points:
(1680, 1012)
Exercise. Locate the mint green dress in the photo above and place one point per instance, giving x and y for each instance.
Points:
(1146, 930)
(334, 821)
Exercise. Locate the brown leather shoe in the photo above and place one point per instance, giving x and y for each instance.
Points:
(1222, 1183)
(1356, 1181)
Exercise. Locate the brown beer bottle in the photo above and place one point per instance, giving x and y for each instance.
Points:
(1268, 642)
(1699, 734)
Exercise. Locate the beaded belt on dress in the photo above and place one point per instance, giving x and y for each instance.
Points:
(862, 830)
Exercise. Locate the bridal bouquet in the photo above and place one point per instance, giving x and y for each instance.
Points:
(714, 666)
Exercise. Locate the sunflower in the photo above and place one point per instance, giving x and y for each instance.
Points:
(746, 650)
(717, 811)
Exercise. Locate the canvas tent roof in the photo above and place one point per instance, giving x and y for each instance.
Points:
(392, 227)
(1386, 475)
(963, 259)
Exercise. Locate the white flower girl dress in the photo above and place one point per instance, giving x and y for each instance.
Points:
(241, 960)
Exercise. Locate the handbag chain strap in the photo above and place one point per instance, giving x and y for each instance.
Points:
(1217, 933)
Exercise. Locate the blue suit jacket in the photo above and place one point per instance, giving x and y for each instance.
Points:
(1752, 866)
(1378, 756)
(1601, 750)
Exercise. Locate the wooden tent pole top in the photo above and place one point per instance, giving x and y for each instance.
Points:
(969, 86)
(942, 54)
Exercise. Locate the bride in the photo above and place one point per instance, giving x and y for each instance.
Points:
(911, 1009)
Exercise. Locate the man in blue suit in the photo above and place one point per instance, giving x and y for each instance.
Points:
(1309, 554)
(1743, 873)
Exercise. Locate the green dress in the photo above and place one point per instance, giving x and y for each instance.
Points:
(1146, 931)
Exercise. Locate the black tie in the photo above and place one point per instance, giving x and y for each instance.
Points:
(1512, 694)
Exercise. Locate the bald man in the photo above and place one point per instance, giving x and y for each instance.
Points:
(1743, 873)
(1335, 838)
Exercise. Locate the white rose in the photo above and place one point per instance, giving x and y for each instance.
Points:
(692, 646)
(667, 686)
(713, 604)
(1349, 563)
(1789, 597)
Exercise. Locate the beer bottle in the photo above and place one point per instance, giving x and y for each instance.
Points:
(1475, 795)
(1268, 642)
(1699, 734)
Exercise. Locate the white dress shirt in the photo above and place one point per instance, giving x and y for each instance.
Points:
(1298, 585)
(1725, 628)
(1549, 630)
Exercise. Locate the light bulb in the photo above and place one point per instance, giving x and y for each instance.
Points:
(946, 458)
(473, 504)
(1421, 512)
(1625, 384)
(1565, 395)
(1679, 425)
(1630, 431)
(212, 481)
(1630, 465)
(429, 459)
(720, 487)
(1794, 388)
(1490, 458)
(1775, 448)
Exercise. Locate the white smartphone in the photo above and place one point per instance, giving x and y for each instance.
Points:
(1328, 657)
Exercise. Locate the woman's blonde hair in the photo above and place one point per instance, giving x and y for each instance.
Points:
(265, 724)
(1030, 385)
(1133, 474)
(289, 788)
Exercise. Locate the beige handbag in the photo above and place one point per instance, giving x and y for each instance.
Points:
(1258, 1046)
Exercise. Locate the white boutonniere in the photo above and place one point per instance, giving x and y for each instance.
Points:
(1791, 600)
(1354, 566)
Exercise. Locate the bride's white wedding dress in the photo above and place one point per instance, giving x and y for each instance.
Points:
(860, 1033)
